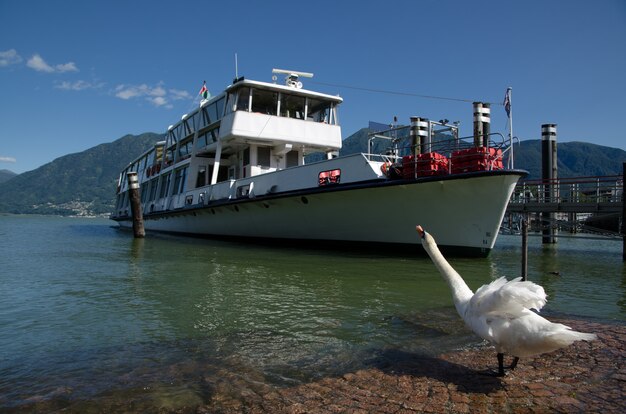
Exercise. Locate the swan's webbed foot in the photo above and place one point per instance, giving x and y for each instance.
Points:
(501, 372)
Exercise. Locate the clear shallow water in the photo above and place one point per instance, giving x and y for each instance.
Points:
(87, 313)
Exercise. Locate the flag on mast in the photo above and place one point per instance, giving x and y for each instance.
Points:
(507, 102)
(204, 92)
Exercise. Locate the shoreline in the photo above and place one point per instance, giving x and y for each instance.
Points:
(584, 377)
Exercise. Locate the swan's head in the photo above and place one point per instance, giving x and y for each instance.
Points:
(426, 237)
(420, 231)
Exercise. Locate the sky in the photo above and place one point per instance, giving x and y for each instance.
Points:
(75, 74)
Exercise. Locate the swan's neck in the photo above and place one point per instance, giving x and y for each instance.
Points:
(461, 293)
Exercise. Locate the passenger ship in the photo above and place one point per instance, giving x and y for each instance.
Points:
(235, 167)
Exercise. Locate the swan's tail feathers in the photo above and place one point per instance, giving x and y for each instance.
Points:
(510, 297)
(566, 336)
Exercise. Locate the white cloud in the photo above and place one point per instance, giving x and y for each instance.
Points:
(78, 85)
(37, 63)
(7, 159)
(156, 95)
(66, 67)
(9, 57)
(158, 101)
(178, 94)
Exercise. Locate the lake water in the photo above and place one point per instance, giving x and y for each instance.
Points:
(90, 317)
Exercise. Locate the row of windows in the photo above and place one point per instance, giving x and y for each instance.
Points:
(285, 105)
(207, 115)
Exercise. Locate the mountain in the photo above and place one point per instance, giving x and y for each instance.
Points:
(76, 184)
(84, 183)
(6, 175)
(575, 159)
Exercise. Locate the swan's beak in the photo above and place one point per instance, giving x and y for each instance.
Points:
(421, 231)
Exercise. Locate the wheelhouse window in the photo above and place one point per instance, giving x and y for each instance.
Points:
(243, 99)
(264, 102)
(318, 110)
(292, 106)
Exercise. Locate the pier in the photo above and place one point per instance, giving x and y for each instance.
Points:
(571, 195)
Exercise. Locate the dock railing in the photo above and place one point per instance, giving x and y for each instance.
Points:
(575, 195)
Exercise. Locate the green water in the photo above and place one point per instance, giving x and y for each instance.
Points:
(87, 314)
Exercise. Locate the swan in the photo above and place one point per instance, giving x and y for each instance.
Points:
(500, 312)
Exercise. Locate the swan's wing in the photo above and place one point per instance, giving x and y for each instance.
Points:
(508, 297)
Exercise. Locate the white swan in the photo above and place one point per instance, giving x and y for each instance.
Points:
(500, 312)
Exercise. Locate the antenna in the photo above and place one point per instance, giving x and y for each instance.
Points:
(292, 77)
(236, 68)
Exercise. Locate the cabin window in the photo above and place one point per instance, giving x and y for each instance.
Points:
(210, 114)
(292, 106)
(292, 159)
(264, 102)
(179, 181)
(153, 188)
(194, 122)
(219, 105)
(184, 149)
(207, 138)
(246, 156)
(263, 156)
(169, 156)
(201, 177)
(143, 191)
(165, 185)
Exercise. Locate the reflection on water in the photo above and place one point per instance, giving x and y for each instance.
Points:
(169, 321)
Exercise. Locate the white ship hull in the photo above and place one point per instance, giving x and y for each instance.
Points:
(465, 212)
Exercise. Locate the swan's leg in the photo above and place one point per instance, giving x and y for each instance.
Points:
(514, 363)
(500, 364)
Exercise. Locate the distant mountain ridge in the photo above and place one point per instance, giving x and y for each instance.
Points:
(6, 175)
(84, 183)
(75, 184)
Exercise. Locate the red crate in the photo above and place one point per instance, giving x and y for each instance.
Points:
(428, 164)
(476, 159)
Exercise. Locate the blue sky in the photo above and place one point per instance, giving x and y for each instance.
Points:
(75, 74)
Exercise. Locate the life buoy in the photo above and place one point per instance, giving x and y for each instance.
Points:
(385, 168)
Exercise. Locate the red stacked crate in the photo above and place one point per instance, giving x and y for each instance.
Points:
(431, 163)
(409, 167)
(476, 159)
(428, 164)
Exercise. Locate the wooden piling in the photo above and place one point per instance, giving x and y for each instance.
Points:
(623, 229)
(524, 249)
(549, 176)
(135, 205)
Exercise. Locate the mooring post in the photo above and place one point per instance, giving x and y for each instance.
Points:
(549, 176)
(135, 205)
(623, 214)
(524, 249)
